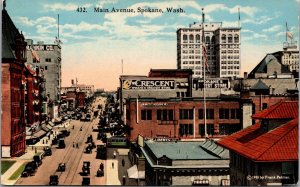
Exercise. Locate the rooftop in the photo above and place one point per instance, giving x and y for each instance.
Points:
(187, 150)
(281, 110)
(277, 145)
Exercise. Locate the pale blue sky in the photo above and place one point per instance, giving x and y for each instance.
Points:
(94, 43)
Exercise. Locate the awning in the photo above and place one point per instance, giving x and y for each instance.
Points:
(50, 123)
(28, 137)
(134, 173)
(39, 133)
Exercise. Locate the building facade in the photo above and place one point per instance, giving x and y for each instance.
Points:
(185, 163)
(47, 57)
(184, 118)
(222, 49)
(13, 117)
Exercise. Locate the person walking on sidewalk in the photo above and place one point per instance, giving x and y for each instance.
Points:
(112, 165)
(123, 162)
(115, 154)
(124, 180)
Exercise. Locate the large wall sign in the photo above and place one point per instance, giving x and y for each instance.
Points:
(214, 83)
(40, 47)
(148, 84)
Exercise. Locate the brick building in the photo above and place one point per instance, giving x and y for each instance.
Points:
(183, 117)
(266, 153)
(13, 59)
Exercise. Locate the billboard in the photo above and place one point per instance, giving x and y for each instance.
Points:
(148, 84)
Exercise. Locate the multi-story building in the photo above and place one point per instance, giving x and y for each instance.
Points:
(222, 49)
(266, 153)
(184, 117)
(47, 57)
(12, 76)
(289, 56)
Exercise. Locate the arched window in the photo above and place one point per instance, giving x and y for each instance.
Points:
(184, 38)
(213, 39)
(236, 38)
(207, 39)
(191, 38)
(223, 38)
(197, 38)
(230, 38)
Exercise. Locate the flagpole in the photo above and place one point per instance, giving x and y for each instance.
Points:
(203, 59)
(286, 30)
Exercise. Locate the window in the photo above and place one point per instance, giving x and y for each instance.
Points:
(48, 59)
(264, 106)
(186, 113)
(186, 129)
(197, 38)
(227, 129)
(207, 39)
(191, 38)
(46, 67)
(223, 38)
(236, 38)
(235, 114)
(209, 113)
(223, 113)
(165, 115)
(230, 38)
(146, 114)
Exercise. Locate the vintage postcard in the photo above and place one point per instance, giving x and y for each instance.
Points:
(149, 92)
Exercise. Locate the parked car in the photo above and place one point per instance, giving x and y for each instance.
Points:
(88, 117)
(85, 181)
(53, 180)
(29, 169)
(37, 159)
(48, 151)
(61, 143)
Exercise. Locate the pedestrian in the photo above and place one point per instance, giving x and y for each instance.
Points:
(35, 150)
(115, 154)
(123, 162)
(124, 180)
(112, 165)
(77, 145)
(73, 127)
(46, 141)
(73, 145)
(43, 141)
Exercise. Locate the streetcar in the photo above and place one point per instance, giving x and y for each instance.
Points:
(117, 141)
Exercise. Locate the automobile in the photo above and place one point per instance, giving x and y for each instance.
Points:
(89, 138)
(37, 159)
(48, 151)
(88, 148)
(88, 117)
(29, 169)
(61, 143)
(78, 116)
(61, 167)
(53, 180)
(101, 152)
(86, 168)
(65, 132)
(85, 181)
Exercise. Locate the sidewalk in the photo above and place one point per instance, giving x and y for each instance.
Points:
(112, 175)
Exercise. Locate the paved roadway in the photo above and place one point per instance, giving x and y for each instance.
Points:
(73, 157)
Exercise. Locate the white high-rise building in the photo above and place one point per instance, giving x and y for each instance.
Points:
(222, 46)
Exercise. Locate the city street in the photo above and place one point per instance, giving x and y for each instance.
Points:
(72, 157)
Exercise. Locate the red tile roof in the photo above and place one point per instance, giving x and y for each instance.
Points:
(277, 145)
(281, 110)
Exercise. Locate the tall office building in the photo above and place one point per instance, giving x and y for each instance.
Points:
(222, 49)
(47, 57)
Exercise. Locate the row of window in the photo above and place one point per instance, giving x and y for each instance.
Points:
(46, 60)
(230, 72)
(224, 129)
(230, 67)
(168, 114)
(229, 51)
(230, 46)
(230, 57)
(230, 62)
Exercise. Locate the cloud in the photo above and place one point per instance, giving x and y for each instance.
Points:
(64, 7)
(27, 22)
(250, 11)
(82, 26)
(274, 28)
(258, 21)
